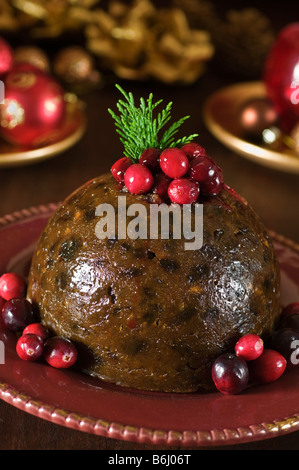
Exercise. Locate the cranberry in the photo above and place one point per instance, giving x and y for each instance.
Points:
(138, 179)
(161, 184)
(214, 184)
(290, 309)
(60, 352)
(249, 347)
(230, 374)
(119, 168)
(183, 191)
(37, 329)
(12, 285)
(30, 347)
(150, 158)
(174, 162)
(17, 314)
(268, 367)
(202, 169)
(286, 342)
(193, 150)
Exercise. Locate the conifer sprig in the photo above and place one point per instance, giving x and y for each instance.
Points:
(139, 129)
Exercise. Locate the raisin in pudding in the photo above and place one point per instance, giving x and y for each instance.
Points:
(145, 312)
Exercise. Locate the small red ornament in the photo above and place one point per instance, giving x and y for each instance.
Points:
(281, 76)
(6, 57)
(34, 106)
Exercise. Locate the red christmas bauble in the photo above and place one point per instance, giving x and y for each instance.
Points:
(6, 57)
(34, 106)
(281, 76)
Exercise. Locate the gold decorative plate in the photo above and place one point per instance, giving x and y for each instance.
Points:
(221, 118)
(66, 136)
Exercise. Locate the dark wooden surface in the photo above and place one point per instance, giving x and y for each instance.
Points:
(274, 195)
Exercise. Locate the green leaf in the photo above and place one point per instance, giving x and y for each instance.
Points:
(139, 129)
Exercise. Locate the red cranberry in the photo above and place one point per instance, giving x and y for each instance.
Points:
(290, 309)
(119, 168)
(138, 179)
(161, 184)
(17, 314)
(215, 185)
(249, 347)
(174, 163)
(183, 191)
(286, 342)
(202, 169)
(193, 150)
(60, 352)
(150, 158)
(268, 367)
(37, 329)
(12, 285)
(30, 347)
(230, 374)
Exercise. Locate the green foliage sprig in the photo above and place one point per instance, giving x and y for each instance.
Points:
(139, 129)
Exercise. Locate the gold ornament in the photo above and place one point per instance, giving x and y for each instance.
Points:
(135, 40)
(141, 41)
(75, 66)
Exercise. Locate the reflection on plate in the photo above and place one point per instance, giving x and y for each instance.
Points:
(221, 118)
(77, 401)
(62, 139)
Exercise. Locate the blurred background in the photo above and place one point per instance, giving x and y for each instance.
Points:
(181, 50)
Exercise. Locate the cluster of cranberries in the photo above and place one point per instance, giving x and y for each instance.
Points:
(252, 362)
(180, 174)
(34, 341)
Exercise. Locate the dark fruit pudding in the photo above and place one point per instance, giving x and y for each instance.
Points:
(145, 312)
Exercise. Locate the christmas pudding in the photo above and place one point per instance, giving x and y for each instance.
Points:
(149, 309)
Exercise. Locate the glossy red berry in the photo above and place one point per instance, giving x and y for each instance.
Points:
(37, 329)
(183, 191)
(193, 150)
(174, 162)
(268, 367)
(161, 183)
(230, 374)
(29, 347)
(249, 347)
(60, 352)
(138, 179)
(17, 313)
(150, 158)
(12, 285)
(214, 184)
(202, 169)
(119, 168)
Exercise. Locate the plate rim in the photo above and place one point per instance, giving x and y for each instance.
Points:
(133, 433)
(267, 157)
(35, 155)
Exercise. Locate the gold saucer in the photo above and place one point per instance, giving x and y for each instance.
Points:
(66, 136)
(221, 118)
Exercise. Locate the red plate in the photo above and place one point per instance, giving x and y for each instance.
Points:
(83, 403)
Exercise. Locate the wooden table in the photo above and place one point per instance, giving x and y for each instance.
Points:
(274, 195)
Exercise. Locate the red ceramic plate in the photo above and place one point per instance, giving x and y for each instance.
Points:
(84, 403)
